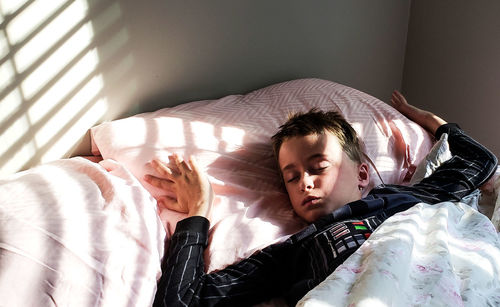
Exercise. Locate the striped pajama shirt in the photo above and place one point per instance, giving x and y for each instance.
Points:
(291, 268)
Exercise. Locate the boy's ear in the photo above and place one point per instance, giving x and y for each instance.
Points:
(363, 176)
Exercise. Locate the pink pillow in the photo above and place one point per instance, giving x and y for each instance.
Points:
(231, 139)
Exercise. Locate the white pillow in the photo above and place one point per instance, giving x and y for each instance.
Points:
(231, 140)
(439, 154)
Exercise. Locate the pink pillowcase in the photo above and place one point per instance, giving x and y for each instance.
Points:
(231, 140)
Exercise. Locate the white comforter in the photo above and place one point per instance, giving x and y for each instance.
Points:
(442, 255)
(74, 234)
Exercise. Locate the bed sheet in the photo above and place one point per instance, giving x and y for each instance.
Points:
(77, 233)
(446, 254)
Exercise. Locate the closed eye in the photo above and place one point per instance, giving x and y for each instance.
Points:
(318, 170)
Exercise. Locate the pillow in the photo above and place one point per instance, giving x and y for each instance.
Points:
(231, 140)
(438, 154)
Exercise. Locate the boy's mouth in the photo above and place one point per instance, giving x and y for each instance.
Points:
(310, 200)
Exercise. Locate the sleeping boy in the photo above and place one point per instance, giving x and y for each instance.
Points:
(321, 162)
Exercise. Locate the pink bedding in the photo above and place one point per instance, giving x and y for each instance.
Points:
(77, 233)
(230, 137)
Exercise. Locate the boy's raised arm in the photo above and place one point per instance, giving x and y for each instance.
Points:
(471, 163)
(425, 119)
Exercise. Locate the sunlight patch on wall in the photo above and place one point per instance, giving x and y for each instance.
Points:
(64, 116)
(52, 87)
(8, 136)
(29, 19)
(57, 61)
(7, 73)
(75, 130)
(23, 154)
(48, 36)
(11, 103)
(62, 88)
(4, 49)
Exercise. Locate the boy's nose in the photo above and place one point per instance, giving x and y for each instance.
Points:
(307, 182)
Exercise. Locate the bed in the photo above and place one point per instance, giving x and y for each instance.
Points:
(85, 231)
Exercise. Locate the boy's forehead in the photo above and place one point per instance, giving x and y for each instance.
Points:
(310, 144)
(309, 138)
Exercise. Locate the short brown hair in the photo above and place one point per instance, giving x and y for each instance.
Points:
(318, 122)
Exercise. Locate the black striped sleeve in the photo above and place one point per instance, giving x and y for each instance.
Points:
(184, 263)
(470, 166)
(185, 283)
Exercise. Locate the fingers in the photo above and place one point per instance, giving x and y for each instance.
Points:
(173, 165)
(176, 171)
(162, 168)
(183, 177)
(170, 170)
(194, 164)
(181, 164)
(398, 99)
(169, 203)
(395, 98)
(161, 183)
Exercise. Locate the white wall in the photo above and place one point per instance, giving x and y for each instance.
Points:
(189, 50)
(69, 64)
(452, 64)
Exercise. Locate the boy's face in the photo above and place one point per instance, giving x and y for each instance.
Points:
(319, 176)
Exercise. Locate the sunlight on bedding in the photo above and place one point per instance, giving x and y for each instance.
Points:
(371, 302)
(478, 263)
(367, 302)
(419, 141)
(358, 126)
(233, 138)
(52, 86)
(176, 139)
(204, 137)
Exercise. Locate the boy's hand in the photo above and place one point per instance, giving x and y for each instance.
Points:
(193, 192)
(426, 119)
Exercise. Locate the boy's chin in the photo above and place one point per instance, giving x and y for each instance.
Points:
(314, 215)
